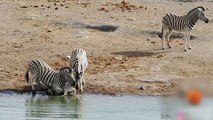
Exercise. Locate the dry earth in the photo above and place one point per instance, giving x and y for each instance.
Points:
(121, 39)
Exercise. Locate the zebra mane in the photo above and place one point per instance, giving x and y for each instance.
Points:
(65, 68)
(203, 9)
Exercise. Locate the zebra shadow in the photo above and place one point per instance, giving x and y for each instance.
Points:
(145, 53)
(175, 35)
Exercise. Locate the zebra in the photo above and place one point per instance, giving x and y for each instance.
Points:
(44, 76)
(184, 23)
(78, 64)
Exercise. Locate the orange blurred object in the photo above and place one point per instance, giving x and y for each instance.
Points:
(194, 97)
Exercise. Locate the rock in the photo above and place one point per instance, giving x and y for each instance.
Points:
(140, 7)
(132, 19)
(141, 88)
(24, 6)
(49, 30)
(56, 8)
(102, 9)
(159, 56)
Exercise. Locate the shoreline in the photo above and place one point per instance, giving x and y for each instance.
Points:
(120, 38)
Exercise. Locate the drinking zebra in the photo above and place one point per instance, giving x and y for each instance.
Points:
(184, 23)
(78, 64)
(45, 77)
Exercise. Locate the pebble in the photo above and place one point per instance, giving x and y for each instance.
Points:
(24, 6)
(132, 19)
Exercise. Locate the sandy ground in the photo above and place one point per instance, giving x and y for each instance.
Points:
(121, 40)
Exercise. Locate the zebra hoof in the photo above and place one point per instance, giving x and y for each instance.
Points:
(163, 48)
(185, 50)
(170, 47)
(190, 48)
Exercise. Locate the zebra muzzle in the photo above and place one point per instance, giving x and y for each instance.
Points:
(206, 21)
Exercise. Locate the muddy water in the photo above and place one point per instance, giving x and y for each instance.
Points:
(87, 107)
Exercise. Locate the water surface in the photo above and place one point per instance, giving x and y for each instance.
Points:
(86, 107)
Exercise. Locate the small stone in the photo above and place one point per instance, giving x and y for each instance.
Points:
(24, 6)
(102, 9)
(140, 7)
(132, 19)
(49, 31)
(56, 8)
(67, 7)
(141, 88)
(145, 8)
(159, 56)
(106, 10)
(35, 6)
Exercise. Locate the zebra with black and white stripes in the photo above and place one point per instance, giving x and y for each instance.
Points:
(184, 23)
(40, 73)
(78, 64)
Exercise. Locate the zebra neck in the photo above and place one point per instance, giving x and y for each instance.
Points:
(192, 20)
(59, 80)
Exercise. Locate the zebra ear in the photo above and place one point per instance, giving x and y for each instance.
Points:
(201, 8)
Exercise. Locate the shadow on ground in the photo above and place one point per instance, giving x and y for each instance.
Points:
(173, 36)
(137, 53)
(103, 28)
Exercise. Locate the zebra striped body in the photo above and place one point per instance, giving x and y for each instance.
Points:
(79, 63)
(184, 23)
(44, 76)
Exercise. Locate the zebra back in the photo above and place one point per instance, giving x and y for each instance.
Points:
(78, 60)
(42, 70)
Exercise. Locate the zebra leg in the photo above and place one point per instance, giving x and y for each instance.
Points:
(168, 37)
(163, 40)
(81, 84)
(32, 78)
(189, 45)
(84, 83)
(186, 41)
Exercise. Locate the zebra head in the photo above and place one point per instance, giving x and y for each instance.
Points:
(65, 75)
(198, 13)
(202, 15)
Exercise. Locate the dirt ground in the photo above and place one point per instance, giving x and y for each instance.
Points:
(121, 40)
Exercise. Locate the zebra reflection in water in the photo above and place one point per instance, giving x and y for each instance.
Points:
(43, 106)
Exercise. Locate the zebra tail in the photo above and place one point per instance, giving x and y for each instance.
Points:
(27, 76)
(161, 34)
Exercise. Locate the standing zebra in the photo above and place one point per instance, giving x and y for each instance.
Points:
(78, 64)
(184, 23)
(44, 76)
